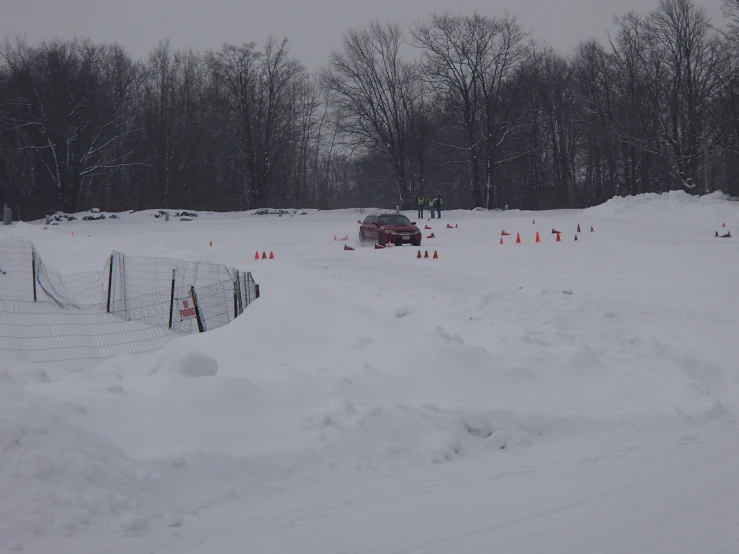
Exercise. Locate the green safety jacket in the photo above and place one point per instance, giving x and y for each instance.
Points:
(421, 200)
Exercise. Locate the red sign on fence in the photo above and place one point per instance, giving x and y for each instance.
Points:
(185, 308)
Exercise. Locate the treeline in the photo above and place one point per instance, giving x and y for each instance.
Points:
(483, 115)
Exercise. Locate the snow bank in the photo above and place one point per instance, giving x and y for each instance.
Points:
(56, 477)
(676, 206)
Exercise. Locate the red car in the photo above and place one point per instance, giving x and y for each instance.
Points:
(390, 228)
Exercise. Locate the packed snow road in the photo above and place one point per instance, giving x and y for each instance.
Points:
(574, 396)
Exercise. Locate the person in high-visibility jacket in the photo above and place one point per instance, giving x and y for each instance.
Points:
(438, 202)
(431, 207)
(421, 203)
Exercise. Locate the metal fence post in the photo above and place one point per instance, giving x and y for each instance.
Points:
(171, 299)
(237, 291)
(110, 282)
(33, 270)
(198, 315)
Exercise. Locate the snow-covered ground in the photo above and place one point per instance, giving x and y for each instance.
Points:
(572, 397)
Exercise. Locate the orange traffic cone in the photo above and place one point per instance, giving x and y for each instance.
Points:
(456, 226)
(256, 255)
(505, 234)
(501, 240)
(555, 232)
(211, 243)
(335, 237)
(538, 239)
(359, 221)
(427, 228)
(533, 222)
(378, 247)
(518, 238)
(264, 255)
(431, 236)
(575, 238)
(419, 255)
(578, 228)
(723, 224)
(426, 254)
(449, 226)
(345, 238)
(559, 238)
(436, 255)
(591, 229)
(347, 247)
(271, 255)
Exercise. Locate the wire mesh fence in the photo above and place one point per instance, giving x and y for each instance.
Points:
(134, 306)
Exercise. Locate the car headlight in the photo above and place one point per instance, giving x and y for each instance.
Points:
(417, 232)
(390, 232)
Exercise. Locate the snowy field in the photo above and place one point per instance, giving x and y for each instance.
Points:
(552, 398)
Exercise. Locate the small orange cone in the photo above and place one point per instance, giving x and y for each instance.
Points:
(271, 255)
(436, 255)
(264, 255)
(456, 226)
(501, 240)
(45, 227)
(347, 247)
(431, 236)
(359, 221)
(426, 254)
(518, 238)
(538, 239)
(449, 226)
(419, 255)
(591, 229)
(427, 228)
(559, 238)
(723, 224)
(256, 255)
(211, 243)
(72, 233)
(335, 237)
(578, 228)
(378, 247)
(576, 238)
(505, 234)
(533, 222)
(345, 238)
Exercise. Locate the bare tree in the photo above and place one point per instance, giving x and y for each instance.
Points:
(373, 91)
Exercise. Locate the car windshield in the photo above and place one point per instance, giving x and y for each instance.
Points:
(394, 220)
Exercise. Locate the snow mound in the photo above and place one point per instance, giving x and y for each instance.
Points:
(59, 476)
(384, 435)
(186, 363)
(677, 206)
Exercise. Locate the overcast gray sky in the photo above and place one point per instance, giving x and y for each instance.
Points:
(313, 27)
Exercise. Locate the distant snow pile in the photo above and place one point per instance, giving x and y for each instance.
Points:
(267, 211)
(93, 215)
(677, 205)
